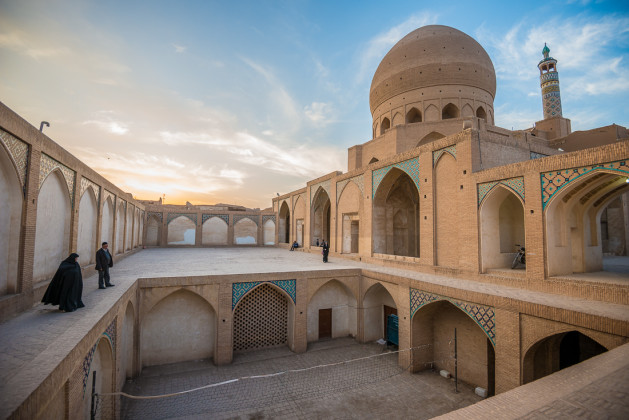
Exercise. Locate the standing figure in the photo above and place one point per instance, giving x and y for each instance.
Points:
(325, 251)
(66, 287)
(103, 262)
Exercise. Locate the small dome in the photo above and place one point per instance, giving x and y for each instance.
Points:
(428, 57)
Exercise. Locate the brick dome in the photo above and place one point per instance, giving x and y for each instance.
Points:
(428, 58)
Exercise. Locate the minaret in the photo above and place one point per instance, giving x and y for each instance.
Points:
(549, 82)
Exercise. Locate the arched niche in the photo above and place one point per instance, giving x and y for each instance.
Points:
(284, 224)
(430, 137)
(10, 223)
(432, 113)
(377, 305)
(264, 317)
(432, 335)
(349, 209)
(480, 113)
(320, 217)
(181, 231)
(136, 228)
(450, 111)
(163, 340)
(467, 111)
(245, 232)
(502, 227)
(413, 116)
(299, 216)
(129, 229)
(572, 221)
(86, 237)
(107, 222)
(214, 231)
(332, 312)
(52, 235)
(153, 225)
(557, 352)
(269, 232)
(447, 201)
(120, 229)
(127, 345)
(395, 220)
(398, 119)
(102, 364)
(386, 124)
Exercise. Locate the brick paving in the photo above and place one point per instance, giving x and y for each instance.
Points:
(370, 388)
(36, 341)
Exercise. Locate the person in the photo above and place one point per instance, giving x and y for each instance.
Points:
(317, 241)
(103, 262)
(66, 287)
(294, 245)
(325, 251)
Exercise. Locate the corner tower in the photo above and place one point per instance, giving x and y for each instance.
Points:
(554, 125)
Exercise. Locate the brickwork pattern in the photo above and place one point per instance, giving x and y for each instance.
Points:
(85, 184)
(514, 184)
(261, 319)
(358, 180)
(410, 167)
(314, 188)
(173, 216)
(438, 153)
(18, 150)
(554, 181)
(48, 165)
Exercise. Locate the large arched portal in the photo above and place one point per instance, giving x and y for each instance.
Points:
(432, 338)
(214, 231)
(378, 304)
(181, 231)
(332, 312)
(10, 223)
(557, 352)
(245, 232)
(573, 219)
(284, 225)
(348, 210)
(320, 217)
(396, 216)
(52, 234)
(502, 227)
(262, 319)
(179, 328)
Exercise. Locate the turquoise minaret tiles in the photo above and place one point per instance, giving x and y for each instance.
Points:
(549, 82)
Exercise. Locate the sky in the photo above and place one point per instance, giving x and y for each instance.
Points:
(232, 102)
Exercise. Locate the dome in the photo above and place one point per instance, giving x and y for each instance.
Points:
(431, 57)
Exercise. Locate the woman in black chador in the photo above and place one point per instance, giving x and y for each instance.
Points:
(66, 286)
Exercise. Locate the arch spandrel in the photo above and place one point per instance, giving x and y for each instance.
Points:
(286, 287)
(206, 217)
(325, 185)
(18, 152)
(410, 167)
(358, 180)
(553, 183)
(109, 335)
(86, 184)
(154, 296)
(314, 285)
(484, 316)
(436, 155)
(48, 165)
(516, 185)
(391, 289)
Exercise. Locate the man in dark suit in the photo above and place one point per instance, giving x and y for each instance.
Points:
(103, 262)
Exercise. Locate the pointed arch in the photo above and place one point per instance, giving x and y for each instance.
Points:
(104, 364)
(467, 111)
(162, 338)
(413, 116)
(128, 340)
(269, 232)
(284, 224)
(396, 195)
(386, 124)
(431, 113)
(245, 232)
(336, 298)
(398, 119)
(450, 111)
(129, 228)
(377, 303)
(320, 217)
(214, 231)
(181, 231)
(86, 235)
(120, 221)
(153, 228)
(501, 215)
(52, 233)
(430, 137)
(480, 113)
(348, 210)
(107, 222)
(299, 217)
(10, 222)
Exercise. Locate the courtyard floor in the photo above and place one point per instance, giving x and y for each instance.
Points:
(368, 388)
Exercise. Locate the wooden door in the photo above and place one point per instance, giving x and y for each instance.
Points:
(325, 323)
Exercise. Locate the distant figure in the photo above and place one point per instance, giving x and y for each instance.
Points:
(325, 251)
(103, 262)
(66, 287)
(317, 241)
(294, 245)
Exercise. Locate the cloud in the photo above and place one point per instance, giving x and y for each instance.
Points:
(378, 46)
(179, 48)
(108, 124)
(319, 112)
